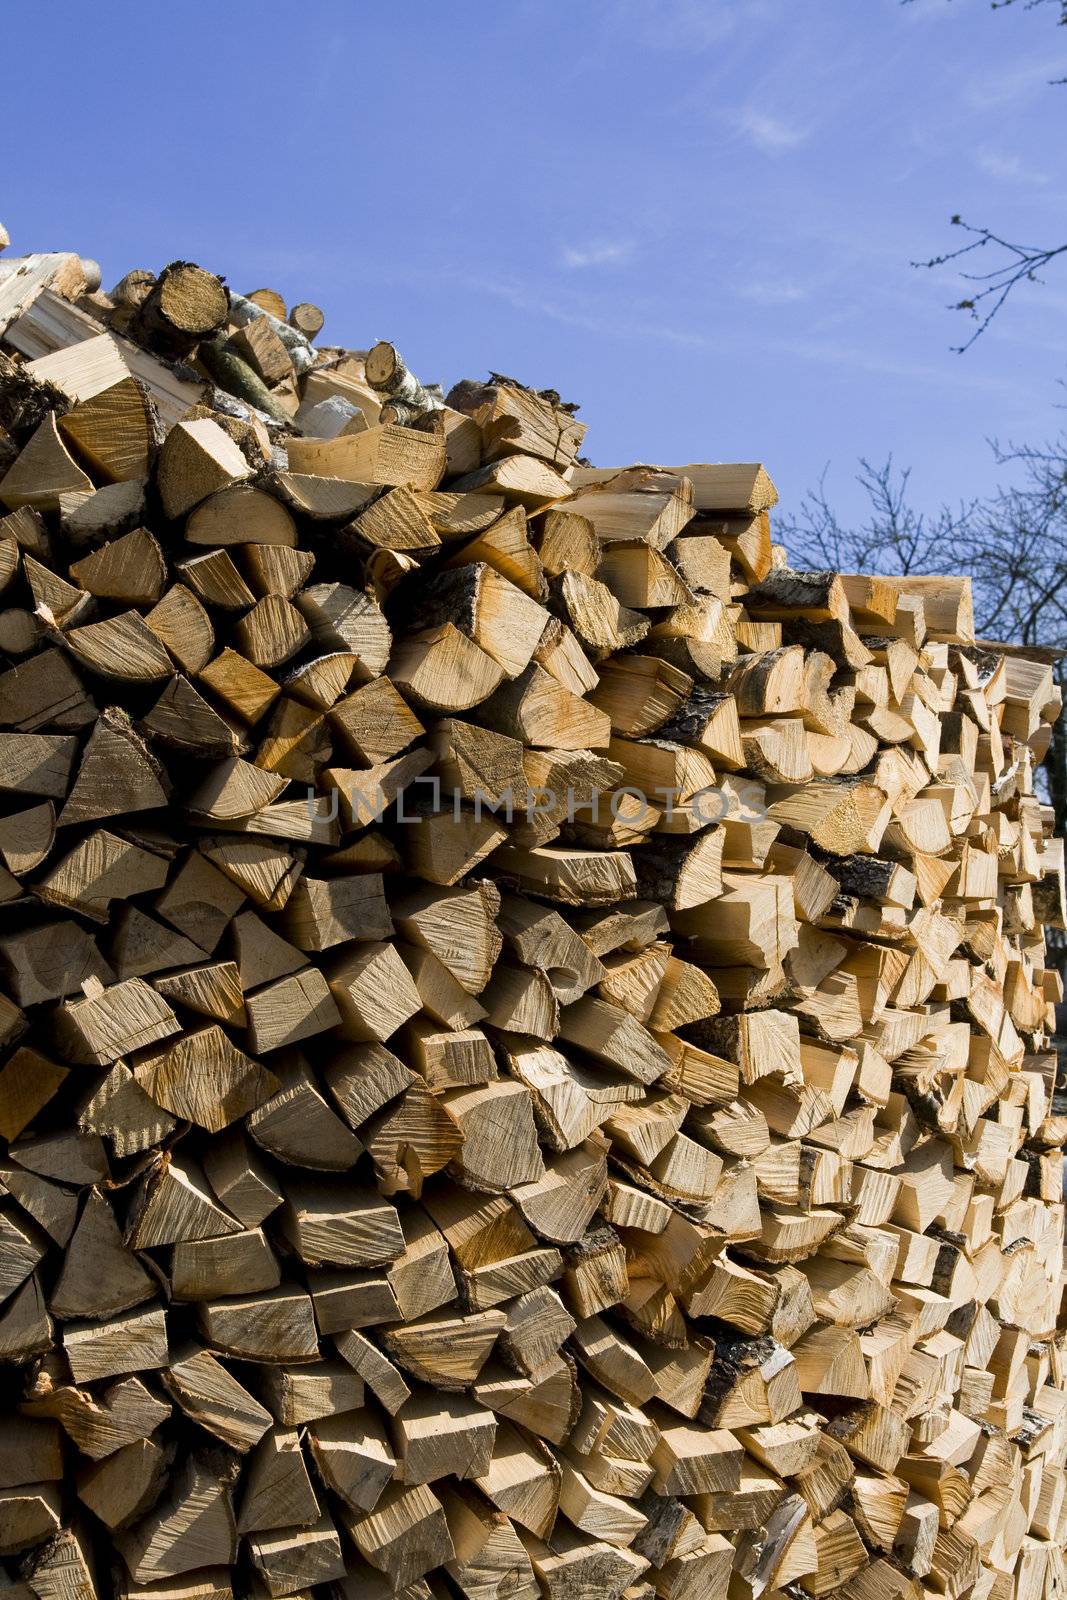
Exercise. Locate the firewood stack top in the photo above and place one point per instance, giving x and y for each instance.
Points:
(526, 1023)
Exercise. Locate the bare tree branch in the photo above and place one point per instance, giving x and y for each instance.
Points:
(1024, 5)
(1032, 5)
(1016, 263)
(895, 538)
(1023, 263)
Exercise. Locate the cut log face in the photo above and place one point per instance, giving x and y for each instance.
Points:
(197, 459)
(204, 1079)
(193, 1526)
(386, 454)
(527, 1019)
(100, 1276)
(278, 1492)
(212, 1397)
(115, 427)
(43, 472)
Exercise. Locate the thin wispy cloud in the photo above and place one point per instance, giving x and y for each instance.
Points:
(1005, 87)
(767, 133)
(884, 362)
(626, 322)
(769, 292)
(1009, 169)
(596, 253)
(927, 11)
(685, 25)
(634, 324)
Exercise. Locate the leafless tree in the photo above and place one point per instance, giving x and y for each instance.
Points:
(1012, 545)
(893, 530)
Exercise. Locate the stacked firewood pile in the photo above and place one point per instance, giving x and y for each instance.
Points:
(526, 1023)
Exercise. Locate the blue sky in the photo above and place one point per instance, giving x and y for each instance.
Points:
(695, 217)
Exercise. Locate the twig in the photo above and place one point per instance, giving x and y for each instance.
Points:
(1023, 265)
